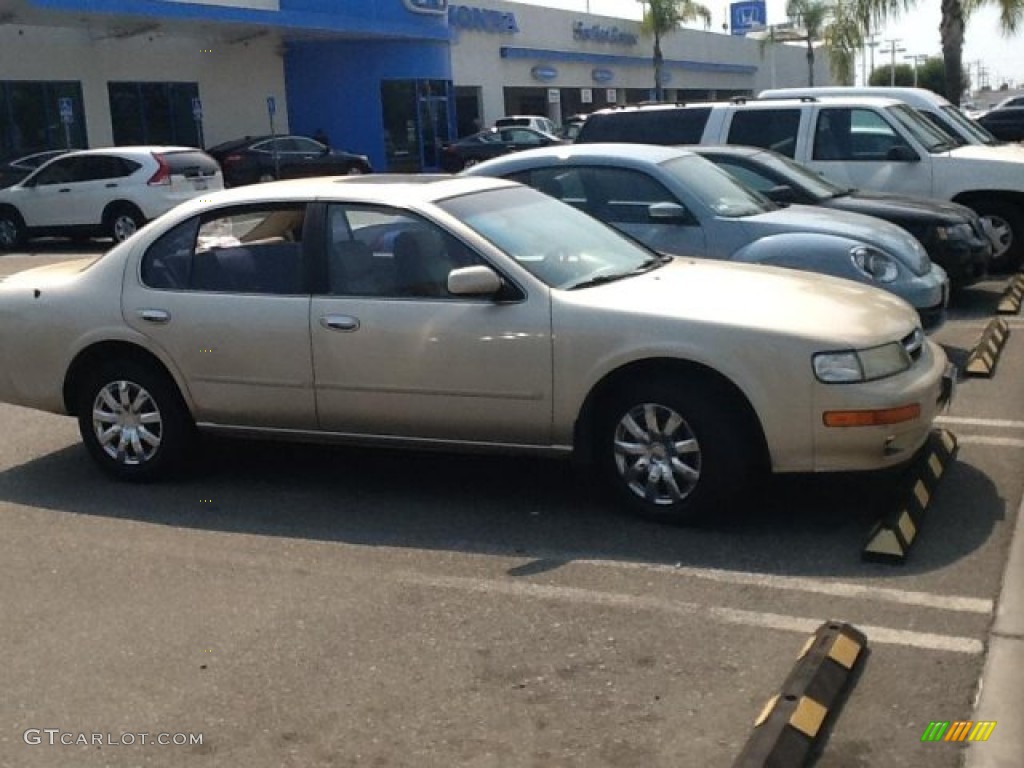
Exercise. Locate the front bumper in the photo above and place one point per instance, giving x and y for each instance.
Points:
(930, 383)
(966, 261)
(928, 294)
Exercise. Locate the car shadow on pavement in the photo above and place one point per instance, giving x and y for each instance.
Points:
(513, 506)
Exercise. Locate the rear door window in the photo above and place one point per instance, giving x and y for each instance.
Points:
(654, 126)
(774, 129)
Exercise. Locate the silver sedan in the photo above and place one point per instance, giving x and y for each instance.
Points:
(465, 313)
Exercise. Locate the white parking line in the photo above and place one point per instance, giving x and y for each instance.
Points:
(799, 624)
(969, 422)
(1006, 442)
(816, 586)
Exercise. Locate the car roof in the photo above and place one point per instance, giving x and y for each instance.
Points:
(858, 100)
(133, 151)
(739, 150)
(900, 93)
(642, 153)
(378, 188)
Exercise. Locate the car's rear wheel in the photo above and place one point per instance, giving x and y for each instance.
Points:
(1006, 222)
(355, 170)
(12, 229)
(469, 162)
(123, 221)
(133, 421)
(265, 177)
(675, 449)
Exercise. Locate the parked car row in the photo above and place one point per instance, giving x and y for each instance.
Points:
(866, 143)
(112, 192)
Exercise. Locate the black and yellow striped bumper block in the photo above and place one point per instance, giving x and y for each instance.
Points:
(891, 538)
(1009, 303)
(793, 724)
(983, 358)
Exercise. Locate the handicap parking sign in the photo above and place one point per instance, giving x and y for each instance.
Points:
(67, 113)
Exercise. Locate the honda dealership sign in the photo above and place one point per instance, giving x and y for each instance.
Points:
(747, 15)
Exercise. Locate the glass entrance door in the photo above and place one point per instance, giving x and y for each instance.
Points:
(417, 123)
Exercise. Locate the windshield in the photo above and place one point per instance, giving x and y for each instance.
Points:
(717, 189)
(556, 243)
(933, 138)
(815, 185)
(968, 127)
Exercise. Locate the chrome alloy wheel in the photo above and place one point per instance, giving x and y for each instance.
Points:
(8, 232)
(127, 423)
(124, 227)
(1001, 234)
(657, 454)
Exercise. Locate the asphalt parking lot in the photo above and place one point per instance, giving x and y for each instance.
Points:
(312, 606)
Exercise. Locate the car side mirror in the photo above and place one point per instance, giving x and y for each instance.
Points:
(902, 154)
(783, 193)
(668, 213)
(478, 280)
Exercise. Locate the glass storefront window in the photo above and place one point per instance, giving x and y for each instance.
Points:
(153, 113)
(30, 116)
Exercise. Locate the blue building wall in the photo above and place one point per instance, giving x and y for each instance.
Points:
(335, 85)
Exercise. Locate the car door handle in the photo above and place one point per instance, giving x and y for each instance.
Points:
(110, 186)
(157, 316)
(64, 189)
(340, 323)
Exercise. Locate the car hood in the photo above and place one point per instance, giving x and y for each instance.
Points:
(900, 207)
(999, 155)
(776, 302)
(890, 238)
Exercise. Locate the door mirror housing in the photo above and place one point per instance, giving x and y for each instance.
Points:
(478, 280)
(668, 213)
(782, 194)
(902, 154)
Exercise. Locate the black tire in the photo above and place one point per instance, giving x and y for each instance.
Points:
(722, 466)
(122, 221)
(266, 177)
(156, 412)
(1008, 219)
(12, 229)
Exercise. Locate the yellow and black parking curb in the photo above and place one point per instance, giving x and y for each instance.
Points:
(982, 360)
(793, 722)
(1012, 297)
(891, 538)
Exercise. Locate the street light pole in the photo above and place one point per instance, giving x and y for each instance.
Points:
(916, 58)
(893, 50)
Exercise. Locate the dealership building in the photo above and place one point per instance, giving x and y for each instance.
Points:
(392, 79)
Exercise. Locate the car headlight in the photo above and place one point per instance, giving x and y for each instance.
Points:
(874, 263)
(961, 231)
(852, 366)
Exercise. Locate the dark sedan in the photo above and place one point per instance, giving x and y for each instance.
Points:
(493, 142)
(266, 158)
(1006, 123)
(952, 234)
(15, 169)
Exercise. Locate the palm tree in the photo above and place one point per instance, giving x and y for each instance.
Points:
(811, 15)
(661, 17)
(955, 14)
(837, 25)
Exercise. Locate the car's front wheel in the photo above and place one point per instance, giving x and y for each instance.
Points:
(675, 449)
(12, 229)
(133, 421)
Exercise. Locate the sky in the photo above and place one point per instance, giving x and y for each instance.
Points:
(917, 32)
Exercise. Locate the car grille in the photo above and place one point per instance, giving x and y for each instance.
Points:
(913, 343)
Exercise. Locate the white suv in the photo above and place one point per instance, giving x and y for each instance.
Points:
(103, 192)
